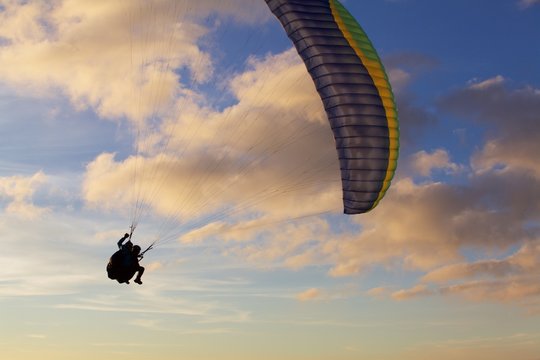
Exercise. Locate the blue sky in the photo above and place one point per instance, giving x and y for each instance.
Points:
(204, 112)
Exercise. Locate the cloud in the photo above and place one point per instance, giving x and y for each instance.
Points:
(528, 3)
(426, 163)
(513, 291)
(317, 294)
(428, 227)
(275, 133)
(418, 227)
(414, 121)
(294, 245)
(19, 190)
(52, 255)
(522, 292)
(378, 292)
(478, 347)
(403, 67)
(31, 276)
(418, 290)
(203, 232)
(309, 294)
(495, 102)
(271, 152)
(153, 266)
(399, 79)
(412, 225)
(238, 232)
(510, 115)
(421, 228)
(58, 259)
(148, 324)
(467, 270)
(97, 54)
(511, 279)
(486, 84)
(268, 155)
(495, 213)
(509, 155)
(264, 242)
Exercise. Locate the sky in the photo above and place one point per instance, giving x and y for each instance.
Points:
(198, 123)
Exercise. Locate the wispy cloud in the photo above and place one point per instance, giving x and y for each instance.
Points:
(81, 49)
(310, 294)
(19, 191)
(425, 163)
(426, 227)
(501, 108)
(478, 346)
(266, 157)
(486, 84)
(509, 280)
(276, 132)
(528, 3)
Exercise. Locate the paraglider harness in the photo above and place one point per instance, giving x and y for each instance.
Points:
(122, 265)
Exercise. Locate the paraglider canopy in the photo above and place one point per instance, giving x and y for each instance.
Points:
(356, 93)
